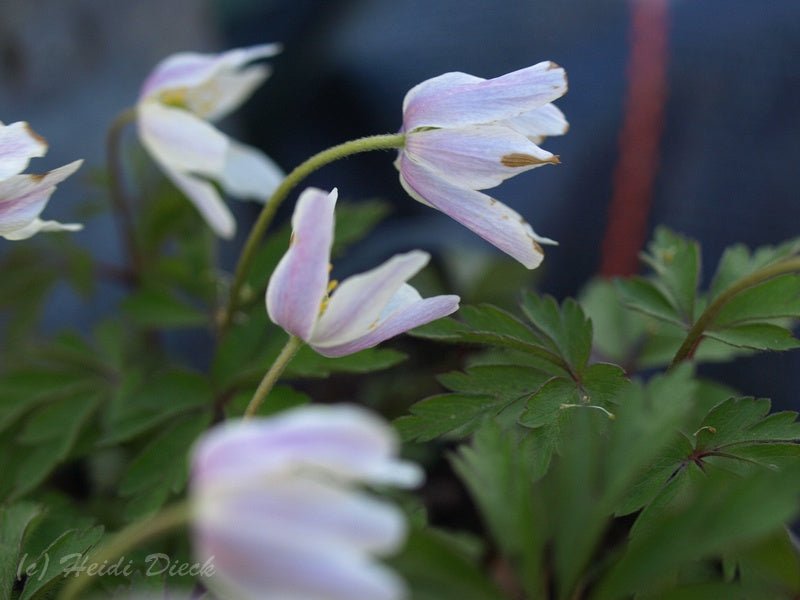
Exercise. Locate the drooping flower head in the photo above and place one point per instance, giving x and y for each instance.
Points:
(24, 197)
(277, 504)
(178, 101)
(465, 134)
(364, 309)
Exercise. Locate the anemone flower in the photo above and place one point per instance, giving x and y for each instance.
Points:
(278, 510)
(465, 134)
(364, 309)
(24, 197)
(178, 101)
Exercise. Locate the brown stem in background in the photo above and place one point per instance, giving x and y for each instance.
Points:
(626, 231)
(119, 198)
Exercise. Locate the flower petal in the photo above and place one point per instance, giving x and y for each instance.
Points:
(456, 102)
(249, 173)
(36, 226)
(206, 200)
(181, 141)
(225, 92)
(412, 311)
(23, 197)
(476, 157)
(346, 441)
(300, 281)
(190, 69)
(254, 567)
(540, 123)
(18, 144)
(289, 508)
(358, 302)
(492, 220)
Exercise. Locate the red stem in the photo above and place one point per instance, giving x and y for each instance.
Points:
(626, 231)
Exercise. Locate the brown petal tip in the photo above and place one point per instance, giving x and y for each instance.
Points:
(519, 160)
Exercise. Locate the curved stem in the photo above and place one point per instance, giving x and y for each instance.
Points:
(366, 144)
(695, 334)
(293, 344)
(122, 209)
(133, 535)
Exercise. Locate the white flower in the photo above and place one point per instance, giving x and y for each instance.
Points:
(276, 504)
(24, 197)
(178, 100)
(361, 312)
(465, 134)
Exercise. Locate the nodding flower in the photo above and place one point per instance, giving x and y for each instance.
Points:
(465, 134)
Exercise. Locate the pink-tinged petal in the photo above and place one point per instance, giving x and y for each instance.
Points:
(485, 101)
(300, 281)
(37, 226)
(540, 123)
(492, 220)
(18, 145)
(253, 567)
(206, 200)
(358, 302)
(249, 173)
(23, 197)
(189, 69)
(405, 317)
(223, 94)
(179, 140)
(436, 86)
(346, 442)
(478, 157)
(289, 508)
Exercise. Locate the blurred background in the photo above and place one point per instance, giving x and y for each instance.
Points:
(683, 113)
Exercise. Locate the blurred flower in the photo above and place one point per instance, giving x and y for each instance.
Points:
(23, 197)
(364, 309)
(276, 504)
(178, 98)
(464, 134)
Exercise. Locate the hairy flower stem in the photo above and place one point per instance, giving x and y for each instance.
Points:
(695, 334)
(270, 379)
(132, 536)
(120, 200)
(366, 144)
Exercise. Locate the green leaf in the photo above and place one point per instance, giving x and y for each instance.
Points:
(482, 392)
(746, 421)
(565, 330)
(775, 298)
(140, 407)
(14, 521)
(757, 336)
(307, 363)
(676, 262)
(737, 262)
(496, 471)
(151, 478)
(617, 331)
(644, 296)
(719, 515)
(66, 550)
(160, 308)
(450, 415)
(53, 431)
(435, 570)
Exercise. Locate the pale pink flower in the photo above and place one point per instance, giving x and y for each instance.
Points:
(178, 101)
(465, 133)
(278, 509)
(24, 197)
(364, 309)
